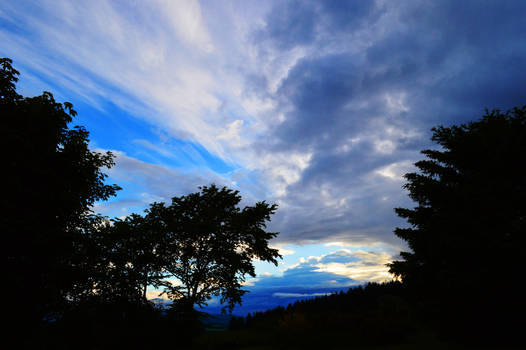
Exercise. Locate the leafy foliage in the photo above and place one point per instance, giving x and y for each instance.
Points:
(209, 243)
(53, 180)
(201, 245)
(123, 260)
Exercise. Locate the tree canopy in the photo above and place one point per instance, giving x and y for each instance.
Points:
(200, 246)
(209, 244)
(53, 180)
(466, 233)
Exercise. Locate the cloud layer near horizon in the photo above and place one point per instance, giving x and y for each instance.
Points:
(318, 106)
(310, 277)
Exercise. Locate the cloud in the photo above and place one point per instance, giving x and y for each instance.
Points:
(145, 183)
(360, 266)
(337, 270)
(315, 276)
(370, 83)
(156, 296)
(284, 251)
(158, 60)
(186, 17)
(317, 106)
(298, 295)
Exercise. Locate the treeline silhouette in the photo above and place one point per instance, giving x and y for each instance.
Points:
(373, 314)
(77, 280)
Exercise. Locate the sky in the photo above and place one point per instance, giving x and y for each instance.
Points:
(317, 106)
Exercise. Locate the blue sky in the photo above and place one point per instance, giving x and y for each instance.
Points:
(318, 106)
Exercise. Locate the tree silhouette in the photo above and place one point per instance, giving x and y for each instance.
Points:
(121, 261)
(53, 179)
(467, 230)
(66, 264)
(209, 244)
(372, 314)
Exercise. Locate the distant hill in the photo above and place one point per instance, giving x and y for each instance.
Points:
(261, 300)
(378, 313)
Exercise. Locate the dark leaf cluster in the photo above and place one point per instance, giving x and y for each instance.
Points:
(200, 246)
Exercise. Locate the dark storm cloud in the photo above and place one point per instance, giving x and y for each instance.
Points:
(455, 57)
(290, 24)
(293, 23)
(318, 89)
(365, 108)
(465, 56)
